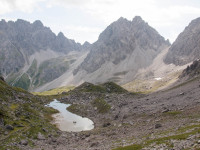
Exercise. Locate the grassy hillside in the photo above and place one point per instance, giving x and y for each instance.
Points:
(22, 117)
(55, 91)
(108, 87)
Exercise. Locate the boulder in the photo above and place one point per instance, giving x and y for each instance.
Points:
(23, 142)
(158, 126)
(2, 78)
(106, 124)
(9, 127)
(1, 122)
(40, 136)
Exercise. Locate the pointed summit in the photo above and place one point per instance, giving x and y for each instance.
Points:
(122, 19)
(61, 35)
(138, 19)
(38, 24)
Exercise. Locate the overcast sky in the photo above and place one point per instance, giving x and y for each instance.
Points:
(84, 20)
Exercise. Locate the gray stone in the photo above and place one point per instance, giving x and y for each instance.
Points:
(9, 127)
(158, 125)
(40, 136)
(1, 122)
(23, 142)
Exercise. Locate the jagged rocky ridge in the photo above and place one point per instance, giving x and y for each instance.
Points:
(186, 48)
(121, 39)
(122, 49)
(31, 54)
(192, 70)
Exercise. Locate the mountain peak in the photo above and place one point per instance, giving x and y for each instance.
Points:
(60, 34)
(38, 23)
(121, 39)
(122, 19)
(137, 19)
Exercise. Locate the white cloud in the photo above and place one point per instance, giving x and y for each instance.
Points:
(26, 6)
(168, 17)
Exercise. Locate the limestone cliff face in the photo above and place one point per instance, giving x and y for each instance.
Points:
(30, 53)
(186, 48)
(121, 39)
(121, 50)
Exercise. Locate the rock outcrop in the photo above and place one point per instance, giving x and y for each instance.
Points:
(186, 48)
(192, 70)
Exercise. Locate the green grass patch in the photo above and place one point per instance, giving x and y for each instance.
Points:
(23, 82)
(108, 87)
(130, 147)
(55, 91)
(31, 71)
(101, 104)
(78, 109)
(26, 113)
(173, 113)
(14, 107)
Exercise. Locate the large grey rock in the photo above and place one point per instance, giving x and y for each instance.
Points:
(186, 48)
(40, 136)
(9, 127)
(191, 71)
(2, 78)
(23, 142)
(1, 122)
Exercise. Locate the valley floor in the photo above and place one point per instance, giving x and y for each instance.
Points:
(167, 119)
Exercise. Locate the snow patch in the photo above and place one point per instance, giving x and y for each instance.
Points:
(158, 78)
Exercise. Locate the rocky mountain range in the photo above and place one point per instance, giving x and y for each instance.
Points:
(31, 54)
(34, 58)
(121, 50)
(122, 39)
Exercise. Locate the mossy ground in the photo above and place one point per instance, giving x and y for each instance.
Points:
(26, 113)
(101, 105)
(78, 109)
(55, 91)
(23, 82)
(108, 87)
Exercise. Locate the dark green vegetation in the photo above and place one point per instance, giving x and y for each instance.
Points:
(39, 75)
(78, 109)
(22, 116)
(50, 70)
(101, 105)
(32, 69)
(108, 87)
(132, 147)
(23, 82)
